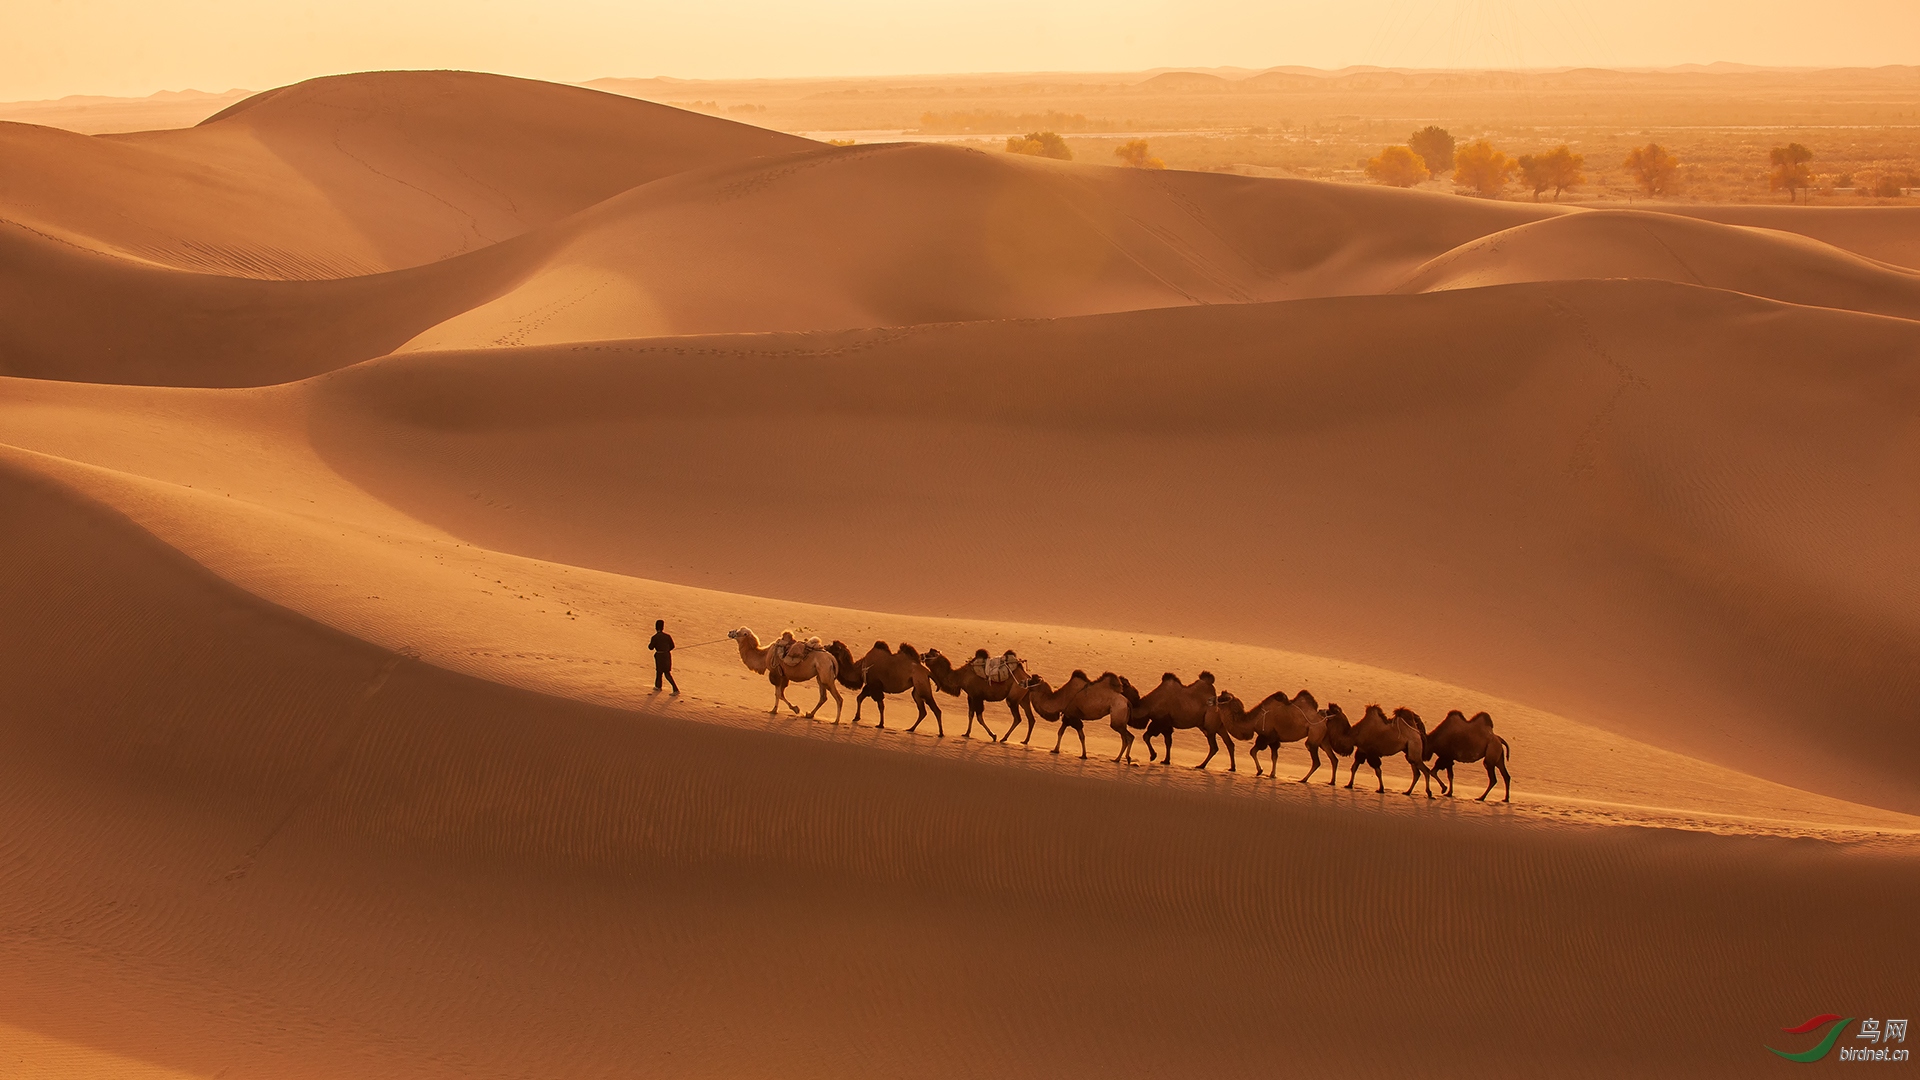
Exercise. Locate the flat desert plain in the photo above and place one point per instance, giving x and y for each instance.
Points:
(352, 441)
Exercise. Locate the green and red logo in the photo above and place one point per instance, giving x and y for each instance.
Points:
(1834, 1026)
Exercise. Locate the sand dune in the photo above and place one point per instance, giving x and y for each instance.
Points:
(1888, 234)
(268, 847)
(1664, 247)
(333, 751)
(899, 234)
(355, 174)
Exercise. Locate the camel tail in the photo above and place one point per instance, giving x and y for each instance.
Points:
(1506, 750)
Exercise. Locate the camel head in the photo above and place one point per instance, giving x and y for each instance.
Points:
(737, 634)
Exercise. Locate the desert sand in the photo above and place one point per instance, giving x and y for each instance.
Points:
(351, 441)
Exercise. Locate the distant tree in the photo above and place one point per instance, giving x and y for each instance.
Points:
(1133, 154)
(1479, 168)
(1434, 146)
(1040, 144)
(1558, 169)
(1790, 169)
(1652, 168)
(1885, 186)
(1397, 166)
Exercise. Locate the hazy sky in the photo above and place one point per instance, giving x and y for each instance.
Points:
(49, 48)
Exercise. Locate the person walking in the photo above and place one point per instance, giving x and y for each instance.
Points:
(661, 646)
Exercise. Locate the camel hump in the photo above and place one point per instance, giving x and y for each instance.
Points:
(1205, 676)
(1168, 675)
(882, 646)
(1482, 718)
(979, 654)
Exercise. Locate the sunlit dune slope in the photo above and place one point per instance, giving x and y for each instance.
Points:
(258, 846)
(1683, 513)
(356, 174)
(1664, 247)
(900, 234)
(1889, 234)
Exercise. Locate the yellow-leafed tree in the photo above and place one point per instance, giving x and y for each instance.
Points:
(1558, 168)
(1040, 144)
(1479, 168)
(1790, 169)
(1652, 168)
(1398, 166)
(1133, 154)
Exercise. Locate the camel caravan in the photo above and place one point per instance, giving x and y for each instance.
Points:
(1219, 716)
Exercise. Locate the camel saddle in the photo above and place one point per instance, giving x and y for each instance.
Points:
(792, 652)
(997, 668)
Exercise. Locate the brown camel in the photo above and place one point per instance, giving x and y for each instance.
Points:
(1459, 739)
(1051, 705)
(1378, 735)
(789, 661)
(1274, 721)
(883, 671)
(1333, 732)
(978, 689)
(1173, 705)
(1111, 697)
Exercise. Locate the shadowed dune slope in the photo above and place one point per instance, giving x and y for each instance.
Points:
(71, 314)
(1682, 513)
(242, 844)
(1889, 234)
(1636, 244)
(899, 234)
(356, 174)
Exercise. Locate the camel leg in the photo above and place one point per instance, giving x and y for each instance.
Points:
(1027, 707)
(1450, 779)
(1166, 755)
(1015, 710)
(879, 706)
(1314, 753)
(1355, 773)
(1380, 782)
(939, 721)
(1126, 747)
(1061, 737)
(1213, 747)
(981, 708)
(1082, 732)
(1231, 766)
